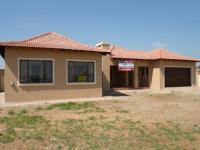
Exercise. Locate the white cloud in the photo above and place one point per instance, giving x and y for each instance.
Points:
(159, 44)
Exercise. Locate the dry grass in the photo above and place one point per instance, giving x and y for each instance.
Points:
(96, 125)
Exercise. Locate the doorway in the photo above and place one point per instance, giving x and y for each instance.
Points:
(143, 76)
(120, 78)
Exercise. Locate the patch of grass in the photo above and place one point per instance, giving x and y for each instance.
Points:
(36, 134)
(87, 107)
(11, 112)
(122, 111)
(8, 135)
(39, 108)
(27, 124)
(175, 133)
(92, 118)
(94, 109)
(23, 111)
(71, 106)
(22, 121)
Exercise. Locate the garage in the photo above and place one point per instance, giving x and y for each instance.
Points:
(177, 77)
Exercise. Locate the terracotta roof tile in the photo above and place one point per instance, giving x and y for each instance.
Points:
(54, 41)
(159, 53)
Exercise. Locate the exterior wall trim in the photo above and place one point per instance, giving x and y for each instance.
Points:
(191, 74)
(34, 84)
(80, 83)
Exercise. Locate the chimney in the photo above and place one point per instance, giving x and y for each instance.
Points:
(103, 45)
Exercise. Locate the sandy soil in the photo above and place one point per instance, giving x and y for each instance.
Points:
(183, 108)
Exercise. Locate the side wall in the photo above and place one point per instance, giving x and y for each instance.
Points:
(60, 89)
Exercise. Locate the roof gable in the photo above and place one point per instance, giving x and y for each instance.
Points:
(54, 41)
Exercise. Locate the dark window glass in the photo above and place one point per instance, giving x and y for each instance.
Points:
(71, 72)
(80, 71)
(36, 71)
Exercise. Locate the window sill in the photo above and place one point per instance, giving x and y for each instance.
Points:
(35, 84)
(81, 83)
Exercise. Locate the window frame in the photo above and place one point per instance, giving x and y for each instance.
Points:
(36, 84)
(80, 83)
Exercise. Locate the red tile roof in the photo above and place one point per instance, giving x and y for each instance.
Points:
(158, 53)
(54, 41)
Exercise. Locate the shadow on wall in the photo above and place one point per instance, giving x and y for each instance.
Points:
(105, 84)
(107, 91)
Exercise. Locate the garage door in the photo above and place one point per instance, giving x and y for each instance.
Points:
(177, 77)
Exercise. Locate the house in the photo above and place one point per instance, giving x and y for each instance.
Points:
(156, 69)
(51, 66)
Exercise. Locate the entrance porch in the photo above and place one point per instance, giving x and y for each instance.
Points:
(137, 79)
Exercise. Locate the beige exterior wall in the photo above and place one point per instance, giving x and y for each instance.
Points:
(198, 78)
(156, 79)
(106, 63)
(156, 71)
(60, 89)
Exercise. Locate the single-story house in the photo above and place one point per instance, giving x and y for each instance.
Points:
(51, 66)
(156, 69)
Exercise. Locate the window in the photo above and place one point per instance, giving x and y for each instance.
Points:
(36, 71)
(79, 71)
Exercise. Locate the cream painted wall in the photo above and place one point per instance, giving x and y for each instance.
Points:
(106, 63)
(60, 90)
(198, 78)
(156, 75)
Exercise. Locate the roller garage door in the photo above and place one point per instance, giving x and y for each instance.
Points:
(177, 77)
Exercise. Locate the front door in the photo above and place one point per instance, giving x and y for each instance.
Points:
(143, 75)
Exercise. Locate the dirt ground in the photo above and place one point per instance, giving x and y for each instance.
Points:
(148, 108)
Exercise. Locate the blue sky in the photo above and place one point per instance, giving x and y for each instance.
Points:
(133, 24)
